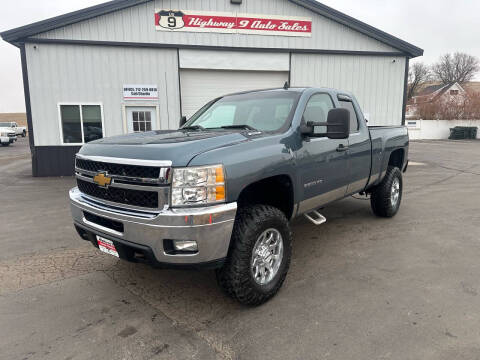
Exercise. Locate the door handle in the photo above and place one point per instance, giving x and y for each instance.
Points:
(342, 148)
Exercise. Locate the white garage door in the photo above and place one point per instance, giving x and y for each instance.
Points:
(201, 86)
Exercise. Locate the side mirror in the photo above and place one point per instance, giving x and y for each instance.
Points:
(338, 124)
(183, 121)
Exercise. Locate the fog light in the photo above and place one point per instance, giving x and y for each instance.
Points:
(185, 245)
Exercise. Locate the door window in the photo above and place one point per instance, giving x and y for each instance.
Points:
(317, 111)
(141, 118)
(142, 121)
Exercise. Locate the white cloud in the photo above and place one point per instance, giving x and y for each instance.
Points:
(19, 13)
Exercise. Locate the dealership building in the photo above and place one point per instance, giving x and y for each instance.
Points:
(139, 65)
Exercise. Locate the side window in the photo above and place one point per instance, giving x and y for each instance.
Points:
(81, 123)
(317, 110)
(353, 115)
(71, 124)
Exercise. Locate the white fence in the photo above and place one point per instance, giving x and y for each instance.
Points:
(436, 129)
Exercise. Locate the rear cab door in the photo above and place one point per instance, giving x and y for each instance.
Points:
(359, 145)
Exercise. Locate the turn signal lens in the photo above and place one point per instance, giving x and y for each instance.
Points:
(219, 177)
(220, 193)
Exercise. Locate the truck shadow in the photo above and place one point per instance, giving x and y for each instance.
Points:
(192, 298)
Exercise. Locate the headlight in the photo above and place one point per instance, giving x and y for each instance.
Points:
(198, 185)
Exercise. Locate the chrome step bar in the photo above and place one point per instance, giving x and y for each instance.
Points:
(315, 217)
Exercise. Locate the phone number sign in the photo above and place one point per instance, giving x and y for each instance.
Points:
(200, 21)
(140, 92)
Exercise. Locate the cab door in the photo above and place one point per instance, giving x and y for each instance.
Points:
(322, 163)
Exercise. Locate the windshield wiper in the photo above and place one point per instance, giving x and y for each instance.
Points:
(247, 127)
(193, 127)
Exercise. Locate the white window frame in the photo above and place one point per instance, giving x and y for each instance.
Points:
(80, 104)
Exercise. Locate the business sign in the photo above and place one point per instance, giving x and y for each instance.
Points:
(233, 23)
(140, 92)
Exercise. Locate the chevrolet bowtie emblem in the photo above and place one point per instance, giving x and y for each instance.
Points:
(101, 179)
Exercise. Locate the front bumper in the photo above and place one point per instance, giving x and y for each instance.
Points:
(7, 139)
(211, 227)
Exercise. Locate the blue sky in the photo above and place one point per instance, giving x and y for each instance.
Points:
(437, 26)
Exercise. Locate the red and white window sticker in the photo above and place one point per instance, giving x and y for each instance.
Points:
(107, 246)
(203, 21)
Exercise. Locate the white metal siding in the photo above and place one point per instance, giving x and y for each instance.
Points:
(136, 24)
(234, 60)
(201, 86)
(376, 81)
(67, 73)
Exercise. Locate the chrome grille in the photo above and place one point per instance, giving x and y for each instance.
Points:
(135, 183)
(119, 169)
(148, 199)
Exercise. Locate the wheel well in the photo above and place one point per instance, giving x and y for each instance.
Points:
(396, 158)
(275, 191)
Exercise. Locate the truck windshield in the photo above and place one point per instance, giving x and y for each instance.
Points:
(264, 111)
(5, 124)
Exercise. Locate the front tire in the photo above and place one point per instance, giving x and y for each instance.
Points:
(6, 144)
(24, 133)
(259, 256)
(387, 197)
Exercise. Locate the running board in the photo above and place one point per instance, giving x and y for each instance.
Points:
(315, 217)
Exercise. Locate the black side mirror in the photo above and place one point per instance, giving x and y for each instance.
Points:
(183, 121)
(338, 124)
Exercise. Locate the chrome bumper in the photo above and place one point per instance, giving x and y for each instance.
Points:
(210, 226)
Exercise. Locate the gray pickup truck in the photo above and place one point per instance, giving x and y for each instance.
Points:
(220, 191)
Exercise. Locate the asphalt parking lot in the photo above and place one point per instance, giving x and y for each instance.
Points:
(359, 287)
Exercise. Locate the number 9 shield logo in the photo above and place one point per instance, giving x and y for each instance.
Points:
(171, 19)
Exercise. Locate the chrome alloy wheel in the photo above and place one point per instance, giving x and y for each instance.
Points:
(267, 256)
(395, 192)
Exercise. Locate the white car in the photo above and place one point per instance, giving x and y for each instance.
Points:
(12, 125)
(7, 136)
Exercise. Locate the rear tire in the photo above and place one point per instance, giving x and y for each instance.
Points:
(241, 276)
(5, 144)
(24, 133)
(387, 197)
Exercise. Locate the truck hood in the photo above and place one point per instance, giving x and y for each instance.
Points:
(177, 146)
(7, 130)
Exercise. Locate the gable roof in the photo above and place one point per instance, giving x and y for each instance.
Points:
(432, 93)
(428, 90)
(19, 34)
